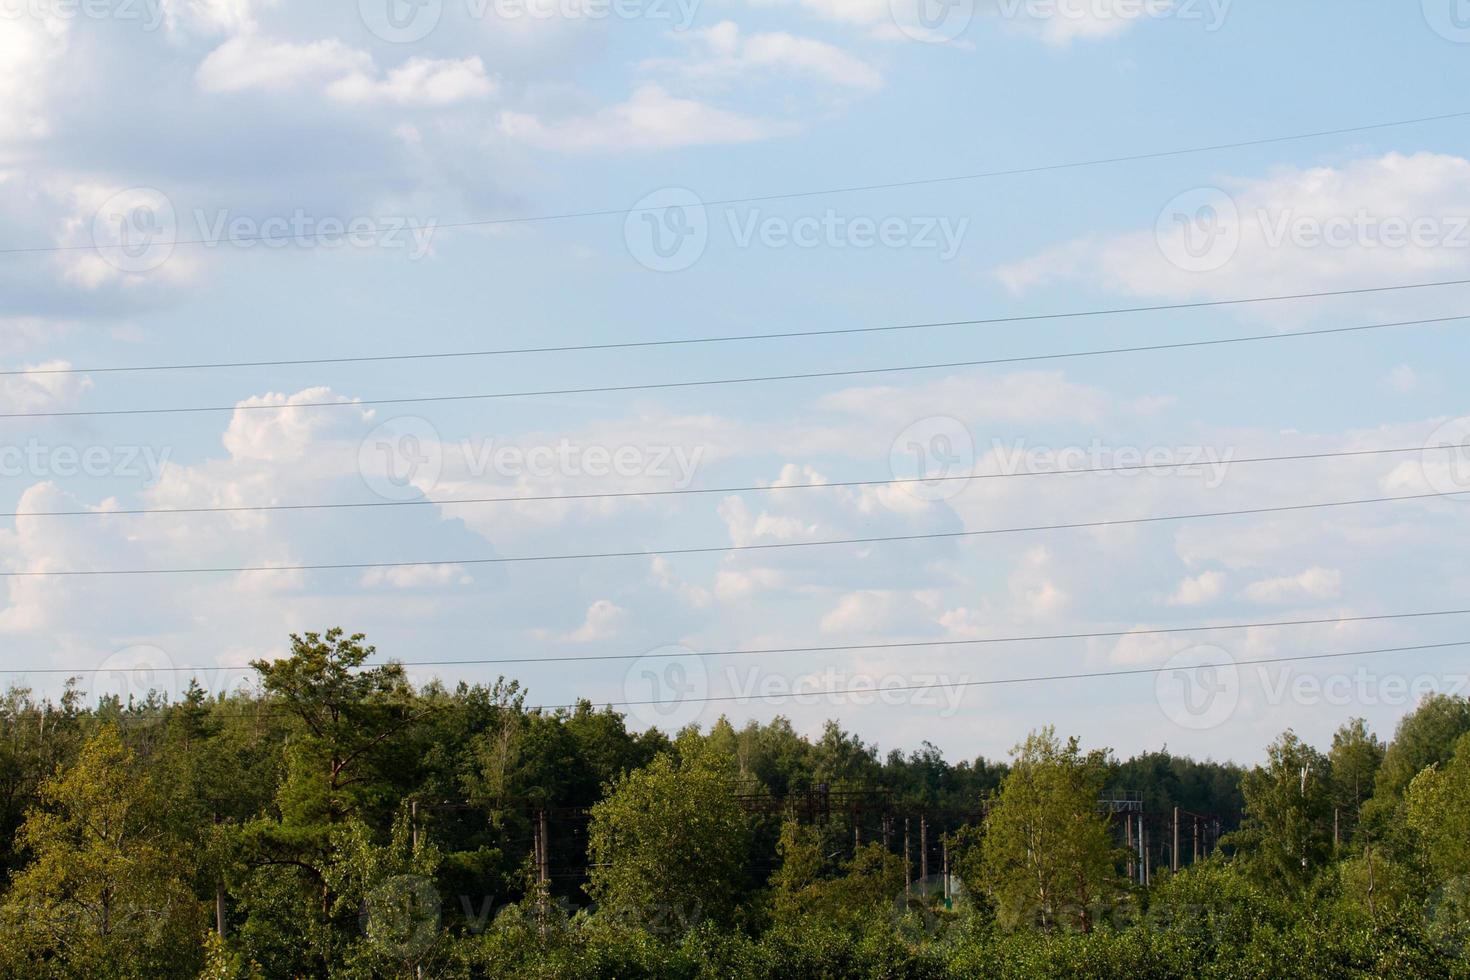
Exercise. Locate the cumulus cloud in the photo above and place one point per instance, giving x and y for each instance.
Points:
(416, 576)
(1314, 583)
(270, 428)
(31, 49)
(604, 620)
(1199, 589)
(38, 390)
(1395, 217)
(651, 119)
(420, 82)
(724, 54)
(249, 61)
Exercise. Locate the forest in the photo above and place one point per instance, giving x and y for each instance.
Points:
(337, 821)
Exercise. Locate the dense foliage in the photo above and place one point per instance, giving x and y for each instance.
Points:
(338, 822)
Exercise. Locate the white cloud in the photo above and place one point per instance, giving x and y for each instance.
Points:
(604, 620)
(1314, 583)
(1387, 218)
(30, 50)
(725, 55)
(248, 61)
(416, 576)
(268, 427)
(1034, 592)
(1199, 589)
(36, 391)
(1402, 379)
(212, 16)
(1061, 22)
(651, 119)
(419, 82)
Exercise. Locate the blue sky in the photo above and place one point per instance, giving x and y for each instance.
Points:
(229, 119)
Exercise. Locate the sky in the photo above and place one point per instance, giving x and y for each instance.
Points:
(226, 181)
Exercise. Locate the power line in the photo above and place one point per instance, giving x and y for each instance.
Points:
(717, 549)
(791, 334)
(753, 488)
(849, 189)
(664, 385)
(763, 651)
(269, 708)
(1044, 678)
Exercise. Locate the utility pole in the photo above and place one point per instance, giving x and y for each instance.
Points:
(1195, 823)
(413, 821)
(1128, 842)
(1336, 840)
(1144, 839)
(908, 866)
(944, 857)
(924, 853)
(1174, 850)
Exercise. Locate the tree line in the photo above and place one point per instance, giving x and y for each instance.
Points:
(337, 821)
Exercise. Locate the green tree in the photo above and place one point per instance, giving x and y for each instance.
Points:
(1424, 737)
(669, 843)
(1048, 857)
(1354, 760)
(105, 892)
(1286, 837)
(1437, 809)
